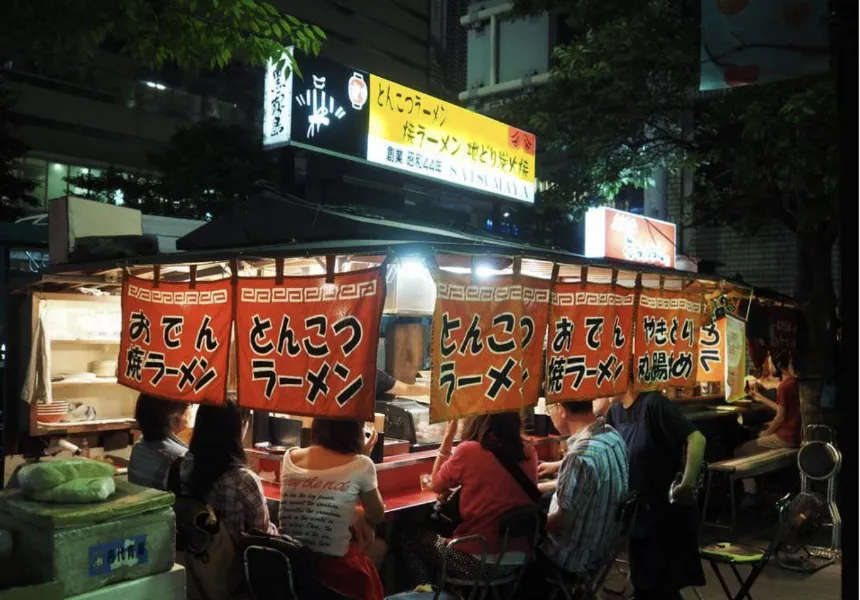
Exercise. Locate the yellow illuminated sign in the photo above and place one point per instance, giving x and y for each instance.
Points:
(415, 132)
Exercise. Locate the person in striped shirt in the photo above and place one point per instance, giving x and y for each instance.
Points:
(582, 531)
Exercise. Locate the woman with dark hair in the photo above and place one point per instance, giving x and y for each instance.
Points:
(487, 491)
(321, 488)
(159, 421)
(220, 476)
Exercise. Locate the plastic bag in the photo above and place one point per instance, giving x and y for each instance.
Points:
(78, 491)
(49, 474)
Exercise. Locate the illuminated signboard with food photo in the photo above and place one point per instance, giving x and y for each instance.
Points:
(620, 235)
(354, 114)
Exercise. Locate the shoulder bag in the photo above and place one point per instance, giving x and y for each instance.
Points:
(204, 546)
(446, 515)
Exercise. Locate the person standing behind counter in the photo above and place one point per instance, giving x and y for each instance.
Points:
(386, 385)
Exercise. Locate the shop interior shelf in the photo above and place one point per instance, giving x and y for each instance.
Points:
(79, 382)
(83, 427)
(86, 341)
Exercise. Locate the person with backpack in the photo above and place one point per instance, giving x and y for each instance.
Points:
(222, 478)
(219, 499)
(487, 491)
(321, 489)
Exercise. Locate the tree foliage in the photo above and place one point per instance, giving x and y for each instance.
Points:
(191, 34)
(612, 111)
(623, 99)
(770, 153)
(203, 170)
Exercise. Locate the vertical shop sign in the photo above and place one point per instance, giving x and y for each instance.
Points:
(477, 347)
(175, 338)
(589, 342)
(665, 346)
(307, 347)
(735, 357)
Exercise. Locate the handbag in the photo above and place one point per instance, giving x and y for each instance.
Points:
(446, 515)
(204, 546)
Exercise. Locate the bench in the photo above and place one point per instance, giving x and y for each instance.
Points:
(756, 465)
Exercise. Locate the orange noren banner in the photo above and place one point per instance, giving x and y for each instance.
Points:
(306, 347)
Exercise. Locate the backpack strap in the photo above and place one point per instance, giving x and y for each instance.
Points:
(173, 483)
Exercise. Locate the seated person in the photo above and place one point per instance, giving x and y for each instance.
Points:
(321, 487)
(784, 430)
(581, 527)
(214, 471)
(549, 468)
(159, 421)
(388, 385)
(221, 477)
(488, 491)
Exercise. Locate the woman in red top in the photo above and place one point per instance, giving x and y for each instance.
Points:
(488, 491)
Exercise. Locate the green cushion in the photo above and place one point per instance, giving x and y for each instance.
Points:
(729, 552)
(129, 499)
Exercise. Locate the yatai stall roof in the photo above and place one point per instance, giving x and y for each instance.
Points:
(273, 225)
(273, 218)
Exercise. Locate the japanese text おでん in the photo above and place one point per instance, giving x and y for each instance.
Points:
(589, 341)
(175, 338)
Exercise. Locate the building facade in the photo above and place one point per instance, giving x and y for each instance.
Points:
(83, 118)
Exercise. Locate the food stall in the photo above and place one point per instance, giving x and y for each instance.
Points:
(385, 275)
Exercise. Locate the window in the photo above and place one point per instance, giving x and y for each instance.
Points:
(57, 186)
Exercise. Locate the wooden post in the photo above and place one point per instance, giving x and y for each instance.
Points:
(404, 349)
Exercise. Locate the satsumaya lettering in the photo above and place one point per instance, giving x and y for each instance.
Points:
(491, 183)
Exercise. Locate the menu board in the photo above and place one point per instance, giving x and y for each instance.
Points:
(735, 357)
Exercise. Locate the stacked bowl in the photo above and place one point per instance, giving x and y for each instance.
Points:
(53, 412)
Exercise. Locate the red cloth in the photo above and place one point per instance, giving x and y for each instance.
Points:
(488, 491)
(788, 396)
(352, 575)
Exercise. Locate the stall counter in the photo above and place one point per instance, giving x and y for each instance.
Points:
(399, 476)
